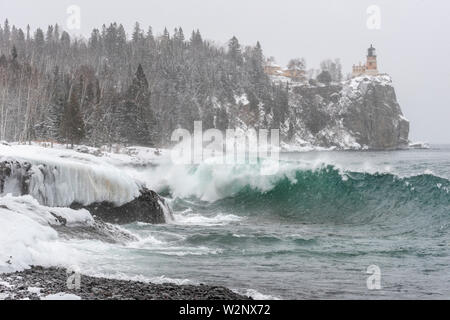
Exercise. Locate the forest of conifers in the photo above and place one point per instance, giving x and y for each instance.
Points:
(111, 88)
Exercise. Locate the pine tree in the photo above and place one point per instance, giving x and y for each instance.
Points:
(196, 39)
(135, 115)
(234, 51)
(14, 53)
(28, 33)
(138, 34)
(56, 33)
(6, 31)
(49, 120)
(324, 77)
(3, 61)
(72, 125)
(39, 39)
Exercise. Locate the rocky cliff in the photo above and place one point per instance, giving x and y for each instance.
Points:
(361, 113)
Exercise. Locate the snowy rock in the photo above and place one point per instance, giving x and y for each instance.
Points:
(374, 115)
(361, 113)
(64, 178)
(32, 234)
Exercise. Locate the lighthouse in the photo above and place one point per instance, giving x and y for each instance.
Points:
(370, 67)
(371, 64)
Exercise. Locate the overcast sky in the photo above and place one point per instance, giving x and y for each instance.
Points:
(413, 41)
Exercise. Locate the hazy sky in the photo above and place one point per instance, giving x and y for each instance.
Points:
(413, 41)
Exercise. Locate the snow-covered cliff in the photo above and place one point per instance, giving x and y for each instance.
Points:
(361, 113)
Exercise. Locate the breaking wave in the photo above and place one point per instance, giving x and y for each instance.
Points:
(324, 194)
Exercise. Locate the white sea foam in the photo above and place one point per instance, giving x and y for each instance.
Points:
(188, 218)
(141, 278)
(168, 243)
(210, 182)
(153, 245)
(256, 294)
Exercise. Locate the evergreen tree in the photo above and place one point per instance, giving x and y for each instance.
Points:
(196, 39)
(324, 77)
(6, 31)
(39, 40)
(72, 125)
(234, 51)
(3, 61)
(138, 34)
(135, 115)
(14, 53)
(188, 80)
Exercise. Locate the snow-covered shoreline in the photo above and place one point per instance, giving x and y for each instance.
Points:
(38, 186)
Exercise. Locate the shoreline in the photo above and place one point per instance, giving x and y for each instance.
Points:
(50, 283)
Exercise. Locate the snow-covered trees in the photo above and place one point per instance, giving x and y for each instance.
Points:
(109, 89)
(297, 68)
(72, 124)
(134, 115)
(334, 68)
(324, 77)
(234, 51)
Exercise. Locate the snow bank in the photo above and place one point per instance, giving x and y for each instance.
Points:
(26, 235)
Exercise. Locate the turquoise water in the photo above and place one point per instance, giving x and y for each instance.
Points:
(309, 231)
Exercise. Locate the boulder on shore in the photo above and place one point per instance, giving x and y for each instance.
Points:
(149, 207)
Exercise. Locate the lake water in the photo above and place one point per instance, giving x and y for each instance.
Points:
(309, 231)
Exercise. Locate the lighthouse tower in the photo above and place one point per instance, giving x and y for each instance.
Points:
(371, 65)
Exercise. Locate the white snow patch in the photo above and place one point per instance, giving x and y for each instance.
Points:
(26, 237)
(242, 99)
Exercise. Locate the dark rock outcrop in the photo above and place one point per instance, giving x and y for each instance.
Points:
(359, 113)
(149, 207)
(375, 118)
